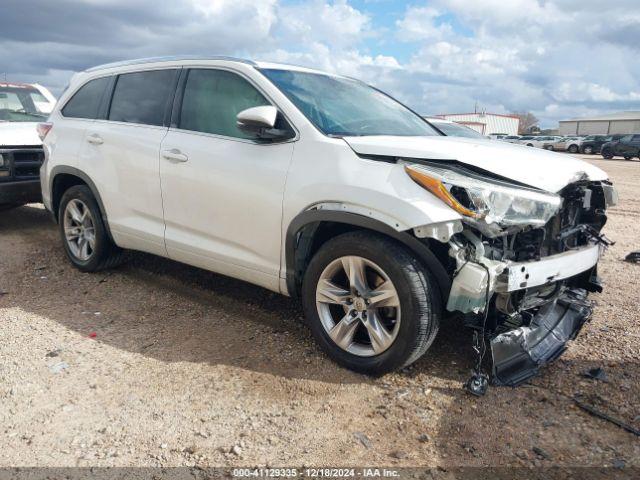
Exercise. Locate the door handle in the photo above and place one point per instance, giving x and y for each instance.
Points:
(95, 139)
(174, 155)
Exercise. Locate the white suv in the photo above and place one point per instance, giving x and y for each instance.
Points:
(324, 188)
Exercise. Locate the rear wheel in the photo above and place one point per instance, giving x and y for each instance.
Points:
(370, 304)
(84, 235)
(573, 149)
(607, 154)
(587, 150)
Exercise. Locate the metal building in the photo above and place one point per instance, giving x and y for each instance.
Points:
(621, 122)
(485, 123)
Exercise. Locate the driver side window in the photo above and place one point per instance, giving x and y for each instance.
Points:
(212, 100)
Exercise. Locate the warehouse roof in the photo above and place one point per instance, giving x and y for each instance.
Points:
(635, 115)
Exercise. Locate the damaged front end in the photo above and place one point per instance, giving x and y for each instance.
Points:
(524, 287)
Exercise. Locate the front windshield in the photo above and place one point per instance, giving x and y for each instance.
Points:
(457, 130)
(20, 104)
(342, 107)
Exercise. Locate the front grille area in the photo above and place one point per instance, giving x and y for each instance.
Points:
(21, 163)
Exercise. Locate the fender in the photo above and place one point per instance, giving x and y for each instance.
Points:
(313, 218)
(64, 169)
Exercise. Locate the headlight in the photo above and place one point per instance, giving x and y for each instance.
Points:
(491, 201)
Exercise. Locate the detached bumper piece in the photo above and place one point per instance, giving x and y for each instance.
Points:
(518, 354)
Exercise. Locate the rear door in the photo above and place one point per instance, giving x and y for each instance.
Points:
(123, 156)
(222, 189)
(79, 113)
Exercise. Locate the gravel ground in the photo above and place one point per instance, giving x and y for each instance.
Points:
(160, 364)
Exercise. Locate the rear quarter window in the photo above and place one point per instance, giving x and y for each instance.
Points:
(86, 101)
(142, 97)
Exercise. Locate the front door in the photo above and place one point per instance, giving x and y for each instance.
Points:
(222, 190)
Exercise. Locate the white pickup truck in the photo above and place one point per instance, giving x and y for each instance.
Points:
(22, 106)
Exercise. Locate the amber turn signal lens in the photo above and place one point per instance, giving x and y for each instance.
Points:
(436, 187)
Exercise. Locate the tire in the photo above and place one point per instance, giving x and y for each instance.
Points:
(529, 144)
(628, 158)
(587, 150)
(573, 149)
(417, 315)
(607, 154)
(549, 147)
(101, 252)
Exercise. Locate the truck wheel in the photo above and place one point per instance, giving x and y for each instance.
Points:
(84, 235)
(370, 304)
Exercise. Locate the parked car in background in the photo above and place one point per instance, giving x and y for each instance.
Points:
(594, 143)
(558, 144)
(511, 138)
(323, 188)
(538, 142)
(453, 129)
(525, 138)
(22, 106)
(628, 147)
(573, 144)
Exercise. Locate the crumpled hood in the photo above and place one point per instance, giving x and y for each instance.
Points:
(23, 134)
(532, 166)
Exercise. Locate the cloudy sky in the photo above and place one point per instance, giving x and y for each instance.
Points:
(556, 58)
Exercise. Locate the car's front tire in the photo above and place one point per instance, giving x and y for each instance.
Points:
(573, 149)
(587, 150)
(371, 305)
(84, 235)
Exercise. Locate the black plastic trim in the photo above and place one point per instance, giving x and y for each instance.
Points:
(63, 169)
(311, 217)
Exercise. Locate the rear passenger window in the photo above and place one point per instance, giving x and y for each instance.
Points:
(142, 97)
(213, 98)
(86, 101)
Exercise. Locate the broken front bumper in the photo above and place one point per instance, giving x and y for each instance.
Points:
(518, 354)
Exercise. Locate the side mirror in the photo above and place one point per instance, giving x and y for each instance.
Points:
(260, 121)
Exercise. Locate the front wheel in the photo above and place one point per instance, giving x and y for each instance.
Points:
(84, 235)
(587, 150)
(370, 303)
(573, 149)
(607, 154)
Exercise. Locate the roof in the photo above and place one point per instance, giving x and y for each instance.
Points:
(480, 114)
(630, 115)
(16, 85)
(175, 58)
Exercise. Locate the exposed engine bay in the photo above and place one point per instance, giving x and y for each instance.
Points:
(525, 289)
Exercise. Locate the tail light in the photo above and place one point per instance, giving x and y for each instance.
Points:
(43, 129)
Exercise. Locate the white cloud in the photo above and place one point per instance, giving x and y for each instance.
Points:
(557, 58)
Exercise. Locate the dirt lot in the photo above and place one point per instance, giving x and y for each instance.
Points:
(156, 363)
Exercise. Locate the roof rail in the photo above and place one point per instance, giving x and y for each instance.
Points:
(174, 58)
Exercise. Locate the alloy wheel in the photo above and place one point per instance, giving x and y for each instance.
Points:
(358, 306)
(79, 230)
